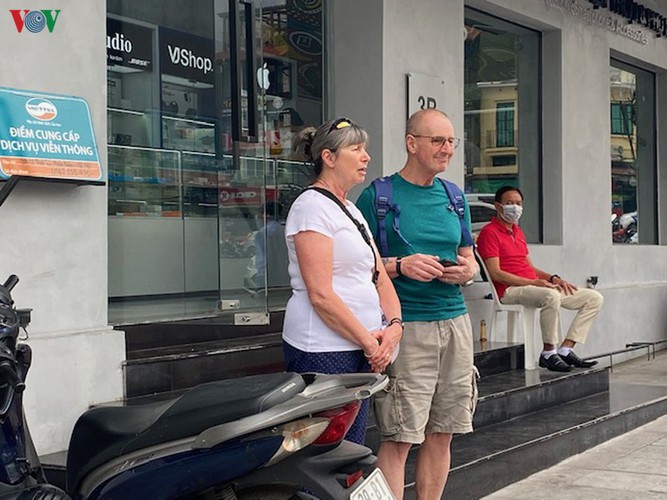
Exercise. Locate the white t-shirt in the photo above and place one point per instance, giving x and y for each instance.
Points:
(352, 272)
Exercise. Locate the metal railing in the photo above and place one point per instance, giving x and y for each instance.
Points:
(633, 346)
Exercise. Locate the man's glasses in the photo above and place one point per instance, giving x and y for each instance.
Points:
(438, 141)
(339, 124)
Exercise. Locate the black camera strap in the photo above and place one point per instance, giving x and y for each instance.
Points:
(359, 225)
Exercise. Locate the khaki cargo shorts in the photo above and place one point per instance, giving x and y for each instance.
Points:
(432, 384)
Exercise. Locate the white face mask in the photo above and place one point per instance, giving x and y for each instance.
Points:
(512, 213)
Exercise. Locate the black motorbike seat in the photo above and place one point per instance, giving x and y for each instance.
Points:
(104, 433)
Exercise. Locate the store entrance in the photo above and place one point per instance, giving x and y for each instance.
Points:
(204, 98)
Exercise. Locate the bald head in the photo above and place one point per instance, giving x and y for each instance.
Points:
(416, 123)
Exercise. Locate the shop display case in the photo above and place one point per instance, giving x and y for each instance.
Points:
(144, 182)
(132, 119)
(186, 123)
(188, 135)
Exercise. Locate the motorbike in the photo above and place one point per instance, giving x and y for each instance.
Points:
(624, 227)
(273, 436)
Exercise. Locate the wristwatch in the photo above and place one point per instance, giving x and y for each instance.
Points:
(398, 321)
(469, 282)
(398, 266)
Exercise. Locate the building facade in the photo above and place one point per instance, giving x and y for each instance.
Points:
(195, 106)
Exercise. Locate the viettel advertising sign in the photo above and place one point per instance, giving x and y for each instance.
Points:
(49, 136)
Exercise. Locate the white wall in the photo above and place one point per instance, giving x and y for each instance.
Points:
(355, 66)
(56, 235)
(420, 37)
(427, 37)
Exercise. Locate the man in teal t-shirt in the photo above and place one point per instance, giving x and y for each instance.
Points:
(432, 390)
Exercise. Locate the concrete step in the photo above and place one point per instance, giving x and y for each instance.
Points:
(501, 454)
(173, 368)
(140, 337)
(512, 394)
(516, 393)
(497, 357)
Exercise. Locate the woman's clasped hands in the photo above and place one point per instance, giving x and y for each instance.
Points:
(381, 353)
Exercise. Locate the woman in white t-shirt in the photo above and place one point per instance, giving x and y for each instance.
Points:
(344, 315)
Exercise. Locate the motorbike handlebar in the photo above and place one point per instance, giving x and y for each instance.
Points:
(11, 282)
(6, 289)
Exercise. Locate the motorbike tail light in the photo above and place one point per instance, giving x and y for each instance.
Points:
(340, 421)
(298, 435)
(353, 478)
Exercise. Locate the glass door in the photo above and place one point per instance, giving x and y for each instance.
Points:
(188, 161)
(205, 98)
(243, 201)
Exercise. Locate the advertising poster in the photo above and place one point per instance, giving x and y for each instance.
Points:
(48, 136)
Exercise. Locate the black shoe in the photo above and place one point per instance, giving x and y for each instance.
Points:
(573, 360)
(554, 363)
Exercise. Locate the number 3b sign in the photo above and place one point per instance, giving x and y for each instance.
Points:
(424, 92)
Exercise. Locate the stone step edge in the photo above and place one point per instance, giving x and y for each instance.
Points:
(554, 435)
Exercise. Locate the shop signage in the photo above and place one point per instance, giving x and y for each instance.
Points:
(186, 56)
(246, 196)
(129, 45)
(634, 12)
(424, 92)
(240, 196)
(625, 14)
(49, 136)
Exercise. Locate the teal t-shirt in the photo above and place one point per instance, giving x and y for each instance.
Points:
(430, 227)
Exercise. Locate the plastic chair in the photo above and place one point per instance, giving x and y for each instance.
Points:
(516, 315)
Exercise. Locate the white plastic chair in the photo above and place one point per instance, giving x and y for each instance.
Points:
(525, 315)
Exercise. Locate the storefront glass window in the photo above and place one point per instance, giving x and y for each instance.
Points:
(502, 112)
(633, 165)
(195, 213)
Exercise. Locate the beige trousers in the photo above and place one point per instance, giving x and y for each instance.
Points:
(586, 302)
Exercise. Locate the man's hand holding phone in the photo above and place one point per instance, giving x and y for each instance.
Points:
(454, 272)
(447, 263)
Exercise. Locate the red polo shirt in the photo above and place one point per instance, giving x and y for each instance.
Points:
(509, 245)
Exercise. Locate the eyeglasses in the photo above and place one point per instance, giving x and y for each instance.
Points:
(438, 141)
(339, 124)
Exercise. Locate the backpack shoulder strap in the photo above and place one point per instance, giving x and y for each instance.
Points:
(457, 205)
(383, 203)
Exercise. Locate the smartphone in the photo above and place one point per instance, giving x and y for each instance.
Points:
(448, 263)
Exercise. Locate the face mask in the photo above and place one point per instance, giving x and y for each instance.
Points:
(512, 213)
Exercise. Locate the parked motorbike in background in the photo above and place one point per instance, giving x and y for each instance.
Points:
(274, 436)
(624, 227)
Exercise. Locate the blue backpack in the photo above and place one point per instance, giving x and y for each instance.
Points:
(384, 204)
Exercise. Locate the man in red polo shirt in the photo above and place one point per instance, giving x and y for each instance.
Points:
(502, 245)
